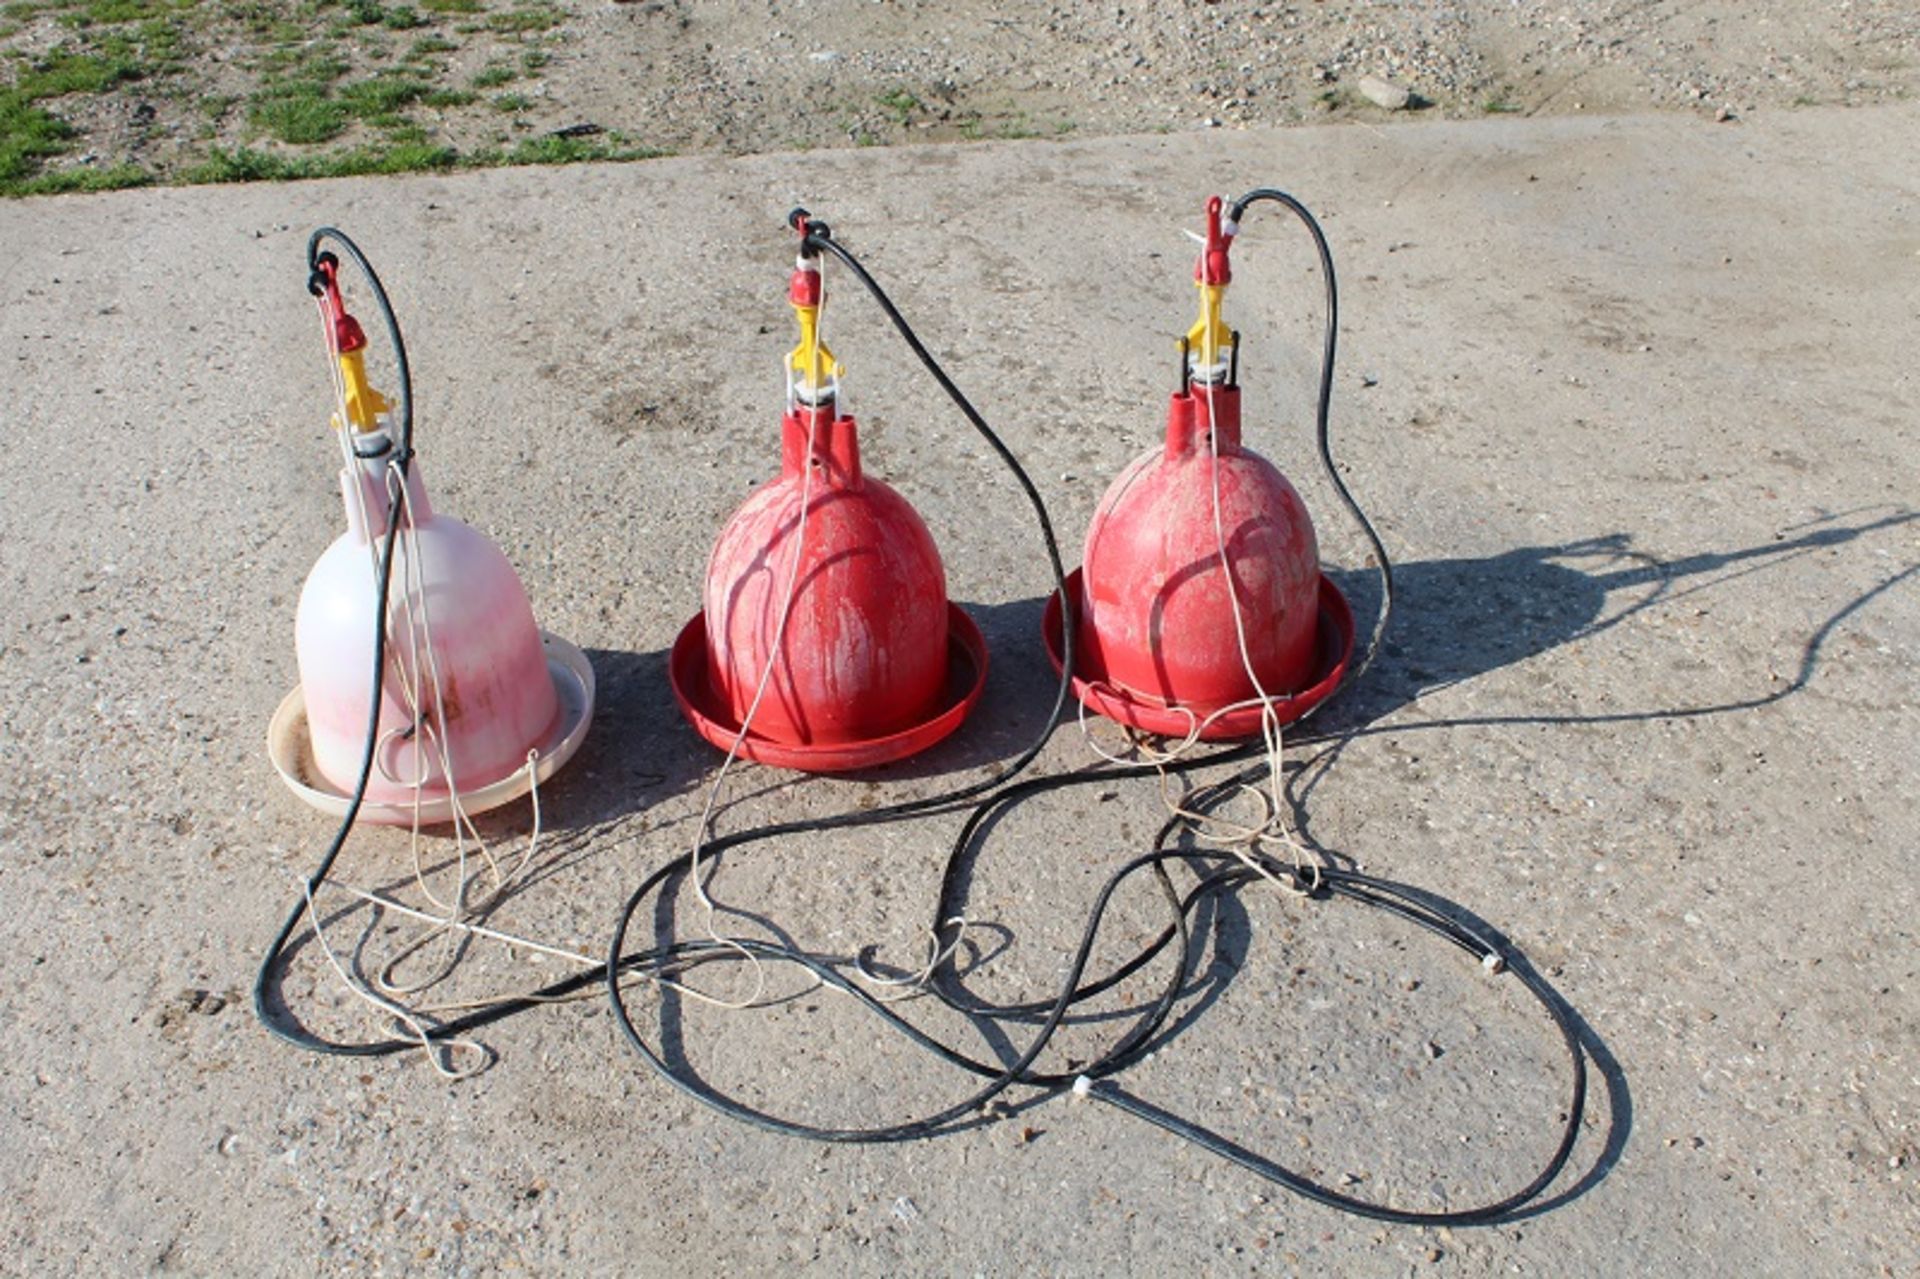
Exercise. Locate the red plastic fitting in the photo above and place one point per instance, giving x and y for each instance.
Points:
(1213, 268)
(347, 333)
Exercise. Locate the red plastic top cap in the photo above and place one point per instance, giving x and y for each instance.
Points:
(804, 288)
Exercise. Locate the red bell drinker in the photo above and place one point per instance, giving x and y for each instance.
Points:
(1201, 599)
(827, 642)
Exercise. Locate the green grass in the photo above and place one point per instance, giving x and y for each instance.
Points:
(67, 181)
(153, 48)
(556, 150)
(246, 165)
(64, 71)
(109, 12)
(303, 116)
(28, 132)
(526, 19)
(900, 104)
(28, 135)
(300, 62)
(334, 92)
(1501, 104)
(304, 108)
(382, 95)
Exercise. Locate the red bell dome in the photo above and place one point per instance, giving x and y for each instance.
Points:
(1156, 610)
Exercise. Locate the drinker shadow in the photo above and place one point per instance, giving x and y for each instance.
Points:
(640, 752)
(1464, 618)
(1455, 620)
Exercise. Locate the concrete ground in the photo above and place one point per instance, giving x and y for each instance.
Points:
(1632, 401)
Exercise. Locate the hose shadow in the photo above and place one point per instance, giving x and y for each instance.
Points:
(1455, 620)
(1460, 620)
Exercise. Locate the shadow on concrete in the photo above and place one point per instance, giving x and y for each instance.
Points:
(641, 752)
(1455, 620)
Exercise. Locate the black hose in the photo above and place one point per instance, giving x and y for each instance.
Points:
(1323, 405)
(1400, 901)
(1215, 874)
(396, 497)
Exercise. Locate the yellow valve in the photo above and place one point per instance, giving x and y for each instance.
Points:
(1209, 335)
(810, 365)
(364, 404)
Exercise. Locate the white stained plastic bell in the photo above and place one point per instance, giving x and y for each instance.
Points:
(462, 650)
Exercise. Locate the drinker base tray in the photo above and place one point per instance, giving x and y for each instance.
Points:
(291, 749)
(711, 718)
(1332, 649)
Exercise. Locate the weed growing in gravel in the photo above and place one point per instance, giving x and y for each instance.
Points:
(553, 149)
(113, 11)
(245, 165)
(27, 136)
(30, 133)
(901, 104)
(299, 115)
(540, 17)
(382, 97)
(64, 71)
(493, 76)
(113, 178)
